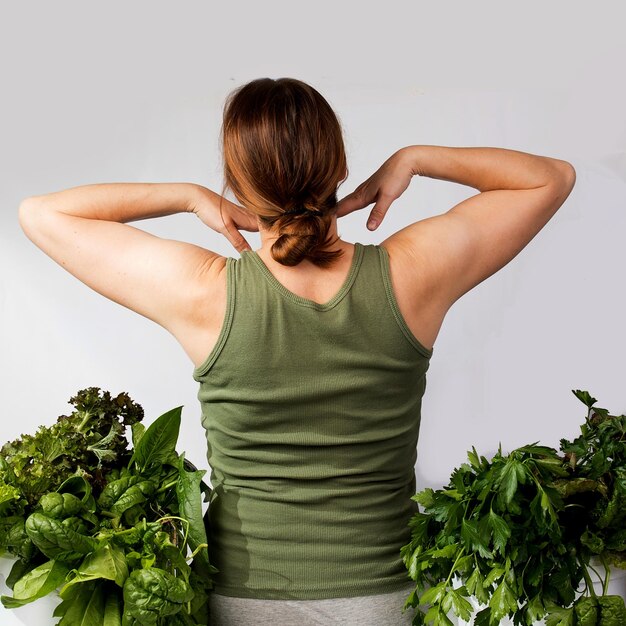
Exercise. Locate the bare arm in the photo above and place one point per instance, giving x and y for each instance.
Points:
(84, 230)
(519, 194)
(447, 255)
(485, 169)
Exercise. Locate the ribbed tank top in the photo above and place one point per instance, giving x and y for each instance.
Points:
(312, 413)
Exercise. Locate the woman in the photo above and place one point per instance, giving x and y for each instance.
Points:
(311, 352)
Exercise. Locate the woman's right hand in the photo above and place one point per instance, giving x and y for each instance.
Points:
(384, 186)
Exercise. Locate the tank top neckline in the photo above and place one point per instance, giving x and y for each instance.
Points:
(357, 257)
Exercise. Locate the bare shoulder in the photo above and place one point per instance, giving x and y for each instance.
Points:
(437, 260)
(414, 275)
(447, 255)
(200, 326)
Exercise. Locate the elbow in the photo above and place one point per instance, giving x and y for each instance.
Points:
(570, 174)
(565, 174)
(562, 183)
(25, 211)
(22, 210)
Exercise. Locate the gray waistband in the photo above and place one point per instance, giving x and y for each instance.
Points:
(375, 610)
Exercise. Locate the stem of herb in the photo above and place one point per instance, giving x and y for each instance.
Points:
(607, 569)
(454, 564)
(588, 580)
(193, 554)
(186, 522)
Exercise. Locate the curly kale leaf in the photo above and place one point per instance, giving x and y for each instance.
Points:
(91, 441)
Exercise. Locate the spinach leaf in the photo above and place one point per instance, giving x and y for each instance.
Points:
(153, 593)
(190, 507)
(60, 505)
(57, 541)
(37, 583)
(83, 605)
(612, 611)
(158, 443)
(107, 562)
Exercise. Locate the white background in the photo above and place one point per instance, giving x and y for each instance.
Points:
(133, 92)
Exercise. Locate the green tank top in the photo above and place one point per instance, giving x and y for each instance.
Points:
(312, 415)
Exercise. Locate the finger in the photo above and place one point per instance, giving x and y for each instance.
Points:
(247, 221)
(236, 238)
(352, 202)
(252, 224)
(379, 211)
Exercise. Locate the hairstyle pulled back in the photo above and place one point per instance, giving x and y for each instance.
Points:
(283, 151)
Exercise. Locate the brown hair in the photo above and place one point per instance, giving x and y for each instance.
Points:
(284, 159)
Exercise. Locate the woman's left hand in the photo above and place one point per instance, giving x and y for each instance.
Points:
(233, 218)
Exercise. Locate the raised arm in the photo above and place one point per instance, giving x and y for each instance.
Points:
(83, 229)
(457, 250)
(447, 255)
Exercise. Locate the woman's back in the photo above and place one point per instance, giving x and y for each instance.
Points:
(411, 287)
(312, 413)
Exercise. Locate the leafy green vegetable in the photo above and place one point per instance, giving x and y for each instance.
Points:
(612, 611)
(90, 441)
(60, 505)
(57, 540)
(157, 445)
(519, 530)
(150, 594)
(38, 583)
(110, 529)
(586, 609)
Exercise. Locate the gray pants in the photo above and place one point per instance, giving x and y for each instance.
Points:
(383, 609)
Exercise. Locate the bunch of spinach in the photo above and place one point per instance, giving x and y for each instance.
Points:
(519, 532)
(109, 527)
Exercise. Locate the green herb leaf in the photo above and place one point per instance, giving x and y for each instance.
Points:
(584, 397)
(534, 609)
(496, 573)
(472, 538)
(435, 593)
(508, 482)
(461, 607)
(501, 531)
(502, 602)
(559, 616)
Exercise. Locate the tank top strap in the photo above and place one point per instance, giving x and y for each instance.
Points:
(374, 290)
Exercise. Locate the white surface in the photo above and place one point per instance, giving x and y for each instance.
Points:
(38, 613)
(136, 94)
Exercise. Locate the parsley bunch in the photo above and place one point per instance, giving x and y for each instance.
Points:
(519, 530)
(110, 527)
